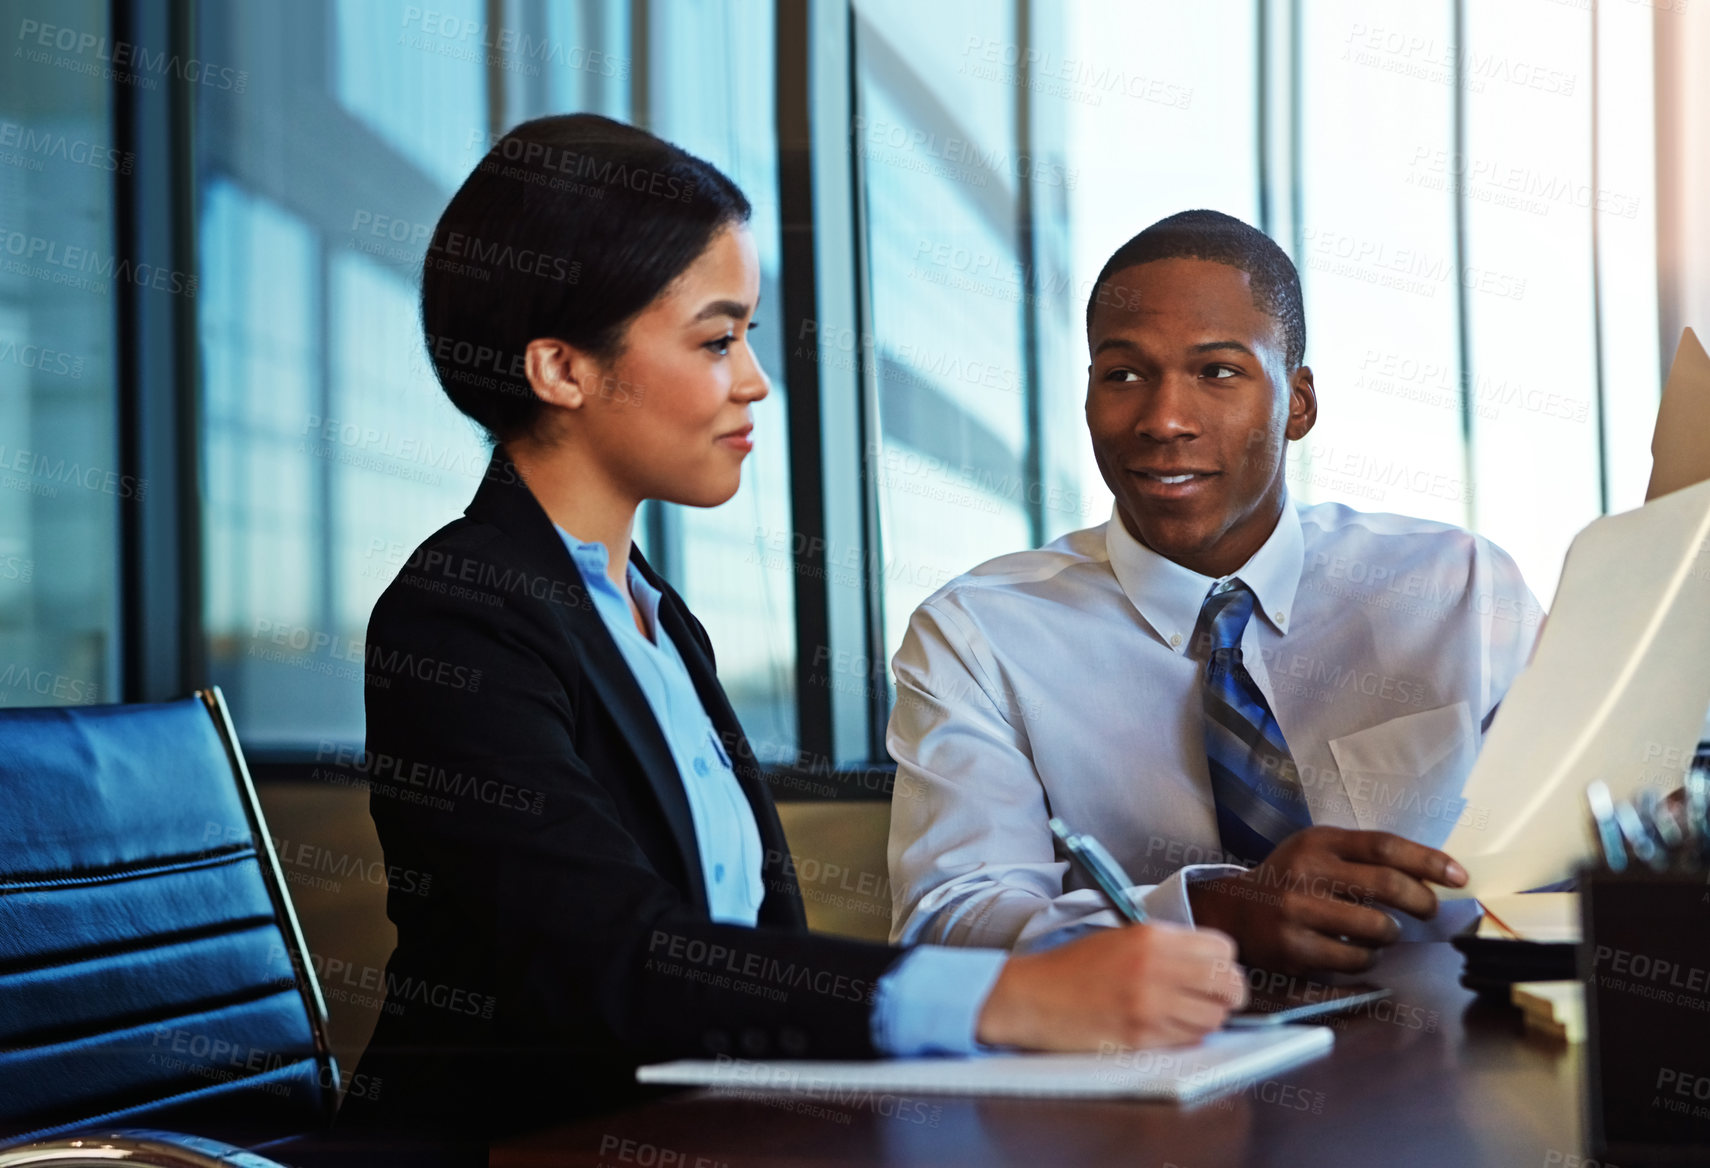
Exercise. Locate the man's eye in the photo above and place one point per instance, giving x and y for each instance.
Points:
(1122, 375)
(721, 346)
(1221, 372)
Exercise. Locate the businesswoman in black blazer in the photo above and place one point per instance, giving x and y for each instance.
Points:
(586, 298)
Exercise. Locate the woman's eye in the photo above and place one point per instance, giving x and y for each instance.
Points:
(721, 346)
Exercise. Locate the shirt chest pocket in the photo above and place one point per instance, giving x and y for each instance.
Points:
(1406, 775)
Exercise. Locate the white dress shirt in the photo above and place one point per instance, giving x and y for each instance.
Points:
(1060, 682)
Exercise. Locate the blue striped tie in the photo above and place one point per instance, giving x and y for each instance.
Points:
(1257, 790)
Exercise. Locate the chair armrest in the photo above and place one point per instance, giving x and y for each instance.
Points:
(142, 1147)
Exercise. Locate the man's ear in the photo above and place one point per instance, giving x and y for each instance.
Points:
(559, 373)
(1302, 405)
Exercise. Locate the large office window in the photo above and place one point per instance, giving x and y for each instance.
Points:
(935, 132)
(328, 450)
(1525, 169)
(61, 484)
(1467, 190)
(733, 563)
(1452, 223)
(1005, 150)
(1376, 249)
(1148, 131)
(1624, 197)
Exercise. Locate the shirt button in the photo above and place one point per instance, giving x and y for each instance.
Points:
(701, 767)
(1175, 641)
(718, 873)
(1279, 616)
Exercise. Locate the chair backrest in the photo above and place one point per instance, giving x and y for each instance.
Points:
(839, 850)
(151, 967)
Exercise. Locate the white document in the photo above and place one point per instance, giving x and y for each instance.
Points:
(1547, 917)
(1616, 690)
(1225, 1061)
(1680, 445)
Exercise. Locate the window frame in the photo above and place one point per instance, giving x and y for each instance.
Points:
(832, 408)
(160, 533)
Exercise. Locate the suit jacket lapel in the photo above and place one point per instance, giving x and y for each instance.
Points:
(783, 903)
(505, 501)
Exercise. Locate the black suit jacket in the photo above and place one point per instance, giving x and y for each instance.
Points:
(562, 937)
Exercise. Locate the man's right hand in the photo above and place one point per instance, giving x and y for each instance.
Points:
(1137, 986)
(1317, 902)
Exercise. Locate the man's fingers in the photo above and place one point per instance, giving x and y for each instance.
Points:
(1388, 850)
(1338, 918)
(1388, 886)
(1313, 951)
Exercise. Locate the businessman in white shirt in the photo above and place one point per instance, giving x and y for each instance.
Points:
(1266, 711)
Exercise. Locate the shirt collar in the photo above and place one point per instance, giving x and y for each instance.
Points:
(591, 559)
(1169, 596)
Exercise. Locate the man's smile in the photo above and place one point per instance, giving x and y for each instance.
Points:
(1166, 485)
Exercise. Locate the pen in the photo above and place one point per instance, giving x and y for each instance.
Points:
(1697, 809)
(1103, 868)
(1639, 841)
(1661, 823)
(1608, 831)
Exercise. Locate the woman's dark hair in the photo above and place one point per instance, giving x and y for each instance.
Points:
(569, 227)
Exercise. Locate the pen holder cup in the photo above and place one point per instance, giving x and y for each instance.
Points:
(1645, 962)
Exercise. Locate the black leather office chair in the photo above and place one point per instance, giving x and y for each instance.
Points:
(152, 974)
(147, 1149)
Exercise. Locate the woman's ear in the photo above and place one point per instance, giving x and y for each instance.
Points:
(559, 373)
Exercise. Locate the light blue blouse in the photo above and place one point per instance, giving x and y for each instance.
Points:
(927, 1003)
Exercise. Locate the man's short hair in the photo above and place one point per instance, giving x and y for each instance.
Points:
(1222, 239)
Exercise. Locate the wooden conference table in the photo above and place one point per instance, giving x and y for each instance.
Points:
(1434, 1077)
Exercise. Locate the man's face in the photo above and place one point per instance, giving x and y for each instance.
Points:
(1190, 407)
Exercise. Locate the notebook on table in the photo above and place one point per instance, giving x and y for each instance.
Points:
(1225, 1061)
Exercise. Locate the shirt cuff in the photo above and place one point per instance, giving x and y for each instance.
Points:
(929, 1002)
(1169, 901)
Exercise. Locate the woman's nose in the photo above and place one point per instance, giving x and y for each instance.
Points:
(751, 384)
